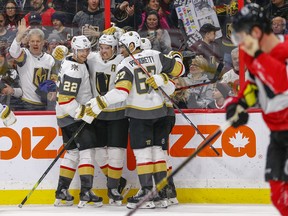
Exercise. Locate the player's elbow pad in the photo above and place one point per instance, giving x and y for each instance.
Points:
(178, 69)
(115, 96)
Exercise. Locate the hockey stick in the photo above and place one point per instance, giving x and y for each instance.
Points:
(202, 145)
(52, 164)
(169, 98)
(213, 80)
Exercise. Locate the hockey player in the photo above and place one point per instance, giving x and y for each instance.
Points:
(170, 122)
(74, 91)
(111, 125)
(110, 150)
(34, 65)
(146, 110)
(265, 56)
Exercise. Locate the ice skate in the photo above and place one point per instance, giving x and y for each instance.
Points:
(89, 196)
(172, 195)
(63, 198)
(161, 200)
(115, 197)
(133, 201)
(124, 187)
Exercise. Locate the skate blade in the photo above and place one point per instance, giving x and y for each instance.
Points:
(146, 205)
(126, 190)
(173, 201)
(63, 203)
(161, 203)
(115, 203)
(82, 204)
(97, 204)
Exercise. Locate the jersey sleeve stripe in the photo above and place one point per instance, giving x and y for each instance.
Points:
(63, 101)
(123, 89)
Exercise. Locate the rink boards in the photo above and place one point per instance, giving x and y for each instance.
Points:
(235, 176)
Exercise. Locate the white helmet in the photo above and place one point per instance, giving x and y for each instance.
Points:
(80, 42)
(108, 40)
(130, 37)
(145, 44)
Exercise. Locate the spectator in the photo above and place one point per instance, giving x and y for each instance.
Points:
(279, 25)
(69, 8)
(207, 47)
(9, 83)
(155, 5)
(53, 40)
(6, 36)
(128, 13)
(93, 17)
(58, 20)
(34, 66)
(35, 21)
(12, 15)
(220, 92)
(180, 97)
(90, 21)
(233, 74)
(158, 37)
(199, 96)
(168, 9)
(38, 6)
(276, 8)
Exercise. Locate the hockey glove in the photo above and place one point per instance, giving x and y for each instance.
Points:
(250, 94)
(81, 114)
(110, 31)
(60, 52)
(175, 54)
(7, 116)
(235, 109)
(95, 106)
(157, 80)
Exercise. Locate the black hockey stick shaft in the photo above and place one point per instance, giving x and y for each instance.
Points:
(213, 80)
(165, 181)
(169, 98)
(52, 164)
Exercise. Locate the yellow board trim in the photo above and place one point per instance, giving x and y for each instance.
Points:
(185, 195)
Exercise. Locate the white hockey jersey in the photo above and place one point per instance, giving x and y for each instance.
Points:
(141, 103)
(33, 71)
(102, 79)
(73, 89)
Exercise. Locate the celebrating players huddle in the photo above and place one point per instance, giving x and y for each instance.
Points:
(111, 93)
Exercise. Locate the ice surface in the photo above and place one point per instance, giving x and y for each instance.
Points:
(179, 210)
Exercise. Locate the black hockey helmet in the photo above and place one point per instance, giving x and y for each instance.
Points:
(249, 16)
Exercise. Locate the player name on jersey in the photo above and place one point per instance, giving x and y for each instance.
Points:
(142, 60)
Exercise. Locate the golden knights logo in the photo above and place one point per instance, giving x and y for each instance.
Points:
(228, 30)
(40, 75)
(102, 82)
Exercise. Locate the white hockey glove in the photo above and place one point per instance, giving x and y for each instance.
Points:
(157, 80)
(81, 114)
(7, 116)
(60, 52)
(95, 106)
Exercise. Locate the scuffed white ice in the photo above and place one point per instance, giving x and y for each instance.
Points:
(179, 210)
